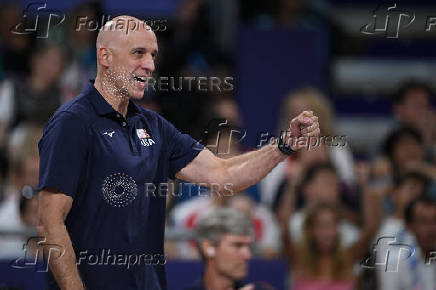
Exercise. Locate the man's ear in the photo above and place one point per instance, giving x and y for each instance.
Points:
(208, 249)
(104, 56)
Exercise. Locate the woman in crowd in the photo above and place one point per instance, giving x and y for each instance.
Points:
(319, 261)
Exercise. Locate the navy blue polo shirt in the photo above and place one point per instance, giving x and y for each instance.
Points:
(113, 168)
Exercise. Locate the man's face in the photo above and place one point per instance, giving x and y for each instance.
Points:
(232, 256)
(424, 225)
(132, 63)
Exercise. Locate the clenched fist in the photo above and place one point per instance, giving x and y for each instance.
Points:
(304, 125)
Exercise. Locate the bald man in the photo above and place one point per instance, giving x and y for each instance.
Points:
(102, 156)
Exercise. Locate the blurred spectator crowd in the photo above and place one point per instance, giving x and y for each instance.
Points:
(322, 210)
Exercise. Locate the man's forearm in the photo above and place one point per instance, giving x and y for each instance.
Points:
(64, 268)
(237, 173)
(247, 169)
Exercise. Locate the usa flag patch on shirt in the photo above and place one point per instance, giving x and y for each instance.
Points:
(142, 133)
(144, 137)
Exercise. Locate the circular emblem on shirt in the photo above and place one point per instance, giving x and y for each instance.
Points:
(119, 189)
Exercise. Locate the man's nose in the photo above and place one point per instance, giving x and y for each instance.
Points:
(246, 252)
(148, 64)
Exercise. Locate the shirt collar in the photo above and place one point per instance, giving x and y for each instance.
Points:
(101, 106)
(199, 283)
(132, 108)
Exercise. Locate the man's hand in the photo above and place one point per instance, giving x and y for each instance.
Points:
(304, 125)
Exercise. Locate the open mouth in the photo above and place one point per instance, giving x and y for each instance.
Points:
(140, 79)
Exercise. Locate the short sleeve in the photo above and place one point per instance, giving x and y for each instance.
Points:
(182, 149)
(63, 153)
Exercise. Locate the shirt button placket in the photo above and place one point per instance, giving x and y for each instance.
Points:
(123, 123)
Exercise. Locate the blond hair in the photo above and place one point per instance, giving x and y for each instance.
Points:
(309, 252)
(315, 101)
